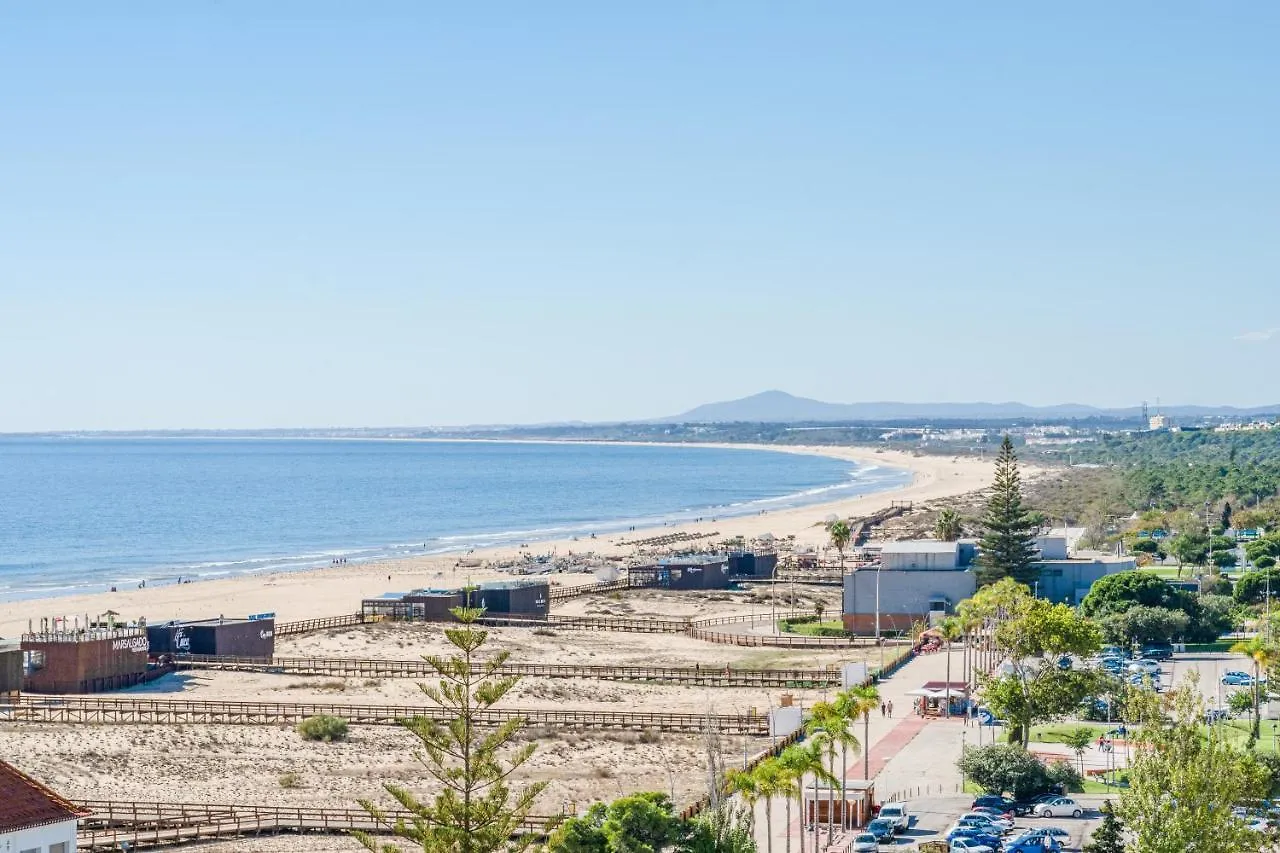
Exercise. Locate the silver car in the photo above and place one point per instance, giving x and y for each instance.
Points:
(865, 842)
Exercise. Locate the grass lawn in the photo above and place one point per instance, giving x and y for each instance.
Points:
(814, 629)
(1057, 732)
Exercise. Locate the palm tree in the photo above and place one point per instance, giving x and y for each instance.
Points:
(788, 781)
(951, 630)
(746, 785)
(857, 702)
(1264, 656)
(829, 727)
(771, 781)
(802, 760)
(840, 534)
(947, 527)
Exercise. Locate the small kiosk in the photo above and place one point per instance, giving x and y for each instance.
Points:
(823, 801)
(933, 698)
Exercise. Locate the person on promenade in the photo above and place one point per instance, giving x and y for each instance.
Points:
(890, 706)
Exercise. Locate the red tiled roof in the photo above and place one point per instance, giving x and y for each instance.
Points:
(27, 803)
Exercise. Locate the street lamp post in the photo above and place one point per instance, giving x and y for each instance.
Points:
(879, 640)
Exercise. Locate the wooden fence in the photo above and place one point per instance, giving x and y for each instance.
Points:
(114, 824)
(78, 709)
(711, 676)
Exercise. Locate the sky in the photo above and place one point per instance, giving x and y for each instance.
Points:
(308, 214)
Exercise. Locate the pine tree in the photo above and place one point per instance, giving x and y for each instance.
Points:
(1109, 836)
(475, 812)
(1008, 546)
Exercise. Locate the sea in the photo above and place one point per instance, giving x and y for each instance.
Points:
(85, 514)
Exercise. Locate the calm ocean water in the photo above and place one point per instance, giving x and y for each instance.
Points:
(84, 514)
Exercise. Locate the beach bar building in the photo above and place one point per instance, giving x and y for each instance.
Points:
(529, 598)
(694, 572)
(251, 637)
(84, 660)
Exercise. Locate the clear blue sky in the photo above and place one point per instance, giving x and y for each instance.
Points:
(249, 214)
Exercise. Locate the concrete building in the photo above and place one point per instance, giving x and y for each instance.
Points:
(34, 819)
(1068, 581)
(924, 580)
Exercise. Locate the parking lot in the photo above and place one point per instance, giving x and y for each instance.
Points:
(931, 817)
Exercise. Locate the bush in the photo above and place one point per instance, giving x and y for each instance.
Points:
(290, 780)
(1064, 774)
(323, 728)
(1266, 561)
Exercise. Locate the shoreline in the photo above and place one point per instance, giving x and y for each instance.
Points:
(329, 590)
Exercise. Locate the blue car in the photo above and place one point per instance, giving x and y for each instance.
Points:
(1235, 678)
(973, 834)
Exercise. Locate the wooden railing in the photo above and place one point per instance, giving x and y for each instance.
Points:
(306, 626)
(113, 824)
(79, 709)
(711, 675)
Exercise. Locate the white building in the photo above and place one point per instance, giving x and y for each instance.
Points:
(33, 819)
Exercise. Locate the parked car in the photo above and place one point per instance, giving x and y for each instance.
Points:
(983, 835)
(896, 812)
(1033, 844)
(882, 829)
(994, 801)
(993, 812)
(1055, 831)
(1001, 823)
(968, 845)
(1157, 651)
(1236, 678)
(1058, 806)
(864, 842)
(1150, 667)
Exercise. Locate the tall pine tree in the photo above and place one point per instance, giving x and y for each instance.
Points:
(1008, 546)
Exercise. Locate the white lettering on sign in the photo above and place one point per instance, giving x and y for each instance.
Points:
(133, 644)
(266, 635)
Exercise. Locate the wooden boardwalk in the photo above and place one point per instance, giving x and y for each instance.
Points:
(145, 825)
(699, 629)
(79, 709)
(708, 676)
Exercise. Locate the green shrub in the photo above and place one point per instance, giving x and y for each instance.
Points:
(290, 780)
(323, 728)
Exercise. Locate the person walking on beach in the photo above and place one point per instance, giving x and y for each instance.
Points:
(890, 706)
(882, 709)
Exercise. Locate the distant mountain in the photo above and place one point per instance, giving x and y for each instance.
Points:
(781, 407)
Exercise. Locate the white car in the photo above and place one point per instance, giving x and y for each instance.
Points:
(968, 845)
(999, 823)
(1058, 806)
(865, 842)
(1147, 667)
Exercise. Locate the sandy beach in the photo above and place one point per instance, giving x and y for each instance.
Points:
(336, 590)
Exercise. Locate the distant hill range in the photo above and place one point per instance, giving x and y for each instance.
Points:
(781, 407)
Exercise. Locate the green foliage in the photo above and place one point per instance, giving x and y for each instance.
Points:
(1224, 559)
(1004, 768)
(1008, 545)
(1266, 561)
(1252, 587)
(1038, 692)
(1240, 702)
(947, 526)
(1142, 624)
(1062, 775)
(840, 534)
(1109, 836)
(1145, 546)
(1267, 546)
(1117, 593)
(724, 829)
(641, 823)
(323, 728)
(1190, 548)
(475, 811)
(1183, 785)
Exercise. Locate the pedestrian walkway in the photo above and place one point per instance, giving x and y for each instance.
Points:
(904, 748)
